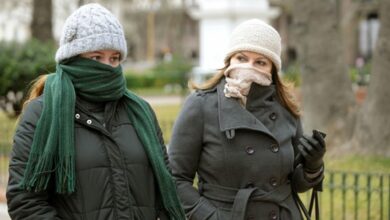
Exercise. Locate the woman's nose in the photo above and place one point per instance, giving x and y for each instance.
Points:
(106, 60)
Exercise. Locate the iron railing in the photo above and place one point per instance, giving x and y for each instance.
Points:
(354, 196)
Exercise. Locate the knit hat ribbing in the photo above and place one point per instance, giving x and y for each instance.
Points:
(90, 28)
(256, 36)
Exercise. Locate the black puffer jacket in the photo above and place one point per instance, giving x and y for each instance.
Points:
(114, 177)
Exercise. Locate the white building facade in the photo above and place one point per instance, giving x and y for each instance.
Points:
(217, 19)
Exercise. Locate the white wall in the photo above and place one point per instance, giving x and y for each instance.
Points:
(15, 19)
(218, 18)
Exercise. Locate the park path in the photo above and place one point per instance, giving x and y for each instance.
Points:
(164, 100)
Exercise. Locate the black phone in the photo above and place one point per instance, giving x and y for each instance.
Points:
(299, 157)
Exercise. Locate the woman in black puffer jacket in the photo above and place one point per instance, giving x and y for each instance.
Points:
(86, 147)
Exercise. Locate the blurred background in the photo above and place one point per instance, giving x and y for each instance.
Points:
(335, 52)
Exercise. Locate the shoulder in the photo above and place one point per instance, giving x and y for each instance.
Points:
(30, 115)
(206, 92)
(201, 95)
(33, 109)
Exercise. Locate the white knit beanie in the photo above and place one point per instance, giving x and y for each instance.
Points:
(90, 28)
(256, 36)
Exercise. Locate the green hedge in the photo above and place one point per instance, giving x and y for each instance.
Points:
(21, 63)
(164, 73)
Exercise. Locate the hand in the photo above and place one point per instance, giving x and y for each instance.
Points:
(313, 150)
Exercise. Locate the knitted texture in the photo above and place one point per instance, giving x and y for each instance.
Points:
(90, 28)
(256, 36)
(52, 150)
(239, 78)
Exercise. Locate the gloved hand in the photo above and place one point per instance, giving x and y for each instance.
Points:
(313, 150)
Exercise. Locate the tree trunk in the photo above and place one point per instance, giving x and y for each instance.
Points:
(41, 25)
(328, 101)
(372, 132)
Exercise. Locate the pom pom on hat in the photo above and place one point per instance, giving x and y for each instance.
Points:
(90, 28)
(256, 36)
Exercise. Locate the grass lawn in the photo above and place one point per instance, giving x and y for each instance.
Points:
(166, 115)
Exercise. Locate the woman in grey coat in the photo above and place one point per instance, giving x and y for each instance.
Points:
(239, 133)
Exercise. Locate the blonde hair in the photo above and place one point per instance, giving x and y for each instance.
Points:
(283, 89)
(36, 89)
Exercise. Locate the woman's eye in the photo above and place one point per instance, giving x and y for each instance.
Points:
(95, 58)
(241, 59)
(261, 63)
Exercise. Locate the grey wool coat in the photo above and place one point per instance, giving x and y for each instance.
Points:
(243, 157)
(114, 179)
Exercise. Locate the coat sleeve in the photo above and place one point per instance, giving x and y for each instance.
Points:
(184, 152)
(22, 204)
(299, 181)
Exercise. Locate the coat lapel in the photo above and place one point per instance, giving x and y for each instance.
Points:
(233, 116)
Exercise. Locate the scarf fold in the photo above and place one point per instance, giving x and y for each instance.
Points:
(239, 78)
(52, 155)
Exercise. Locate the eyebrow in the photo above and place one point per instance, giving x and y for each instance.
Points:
(242, 54)
(98, 52)
(257, 58)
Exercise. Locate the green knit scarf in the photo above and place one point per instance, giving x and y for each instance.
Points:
(52, 155)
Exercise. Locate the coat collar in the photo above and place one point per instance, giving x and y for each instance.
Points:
(233, 116)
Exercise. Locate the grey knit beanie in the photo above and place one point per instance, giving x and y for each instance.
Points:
(90, 28)
(256, 36)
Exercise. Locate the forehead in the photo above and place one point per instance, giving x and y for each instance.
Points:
(105, 52)
(252, 55)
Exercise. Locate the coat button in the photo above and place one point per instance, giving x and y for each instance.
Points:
(273, 116)
(77, 116)
(275, 148)
(249, 185)
(89, 121)
(273, 181)
(250, 217)
(250, 150)
(273, 215)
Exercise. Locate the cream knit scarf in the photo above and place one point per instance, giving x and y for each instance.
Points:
(239, 78)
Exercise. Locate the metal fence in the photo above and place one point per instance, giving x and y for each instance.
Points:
(354, 196)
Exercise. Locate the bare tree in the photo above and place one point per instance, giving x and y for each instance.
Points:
(328, 101)
(41, 25)
(372, 132)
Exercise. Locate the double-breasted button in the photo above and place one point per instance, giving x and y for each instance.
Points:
(250, 217)
(273, 116)
(274, 148)
(273, 181)
(250, 150)
(77, 116)
(249, 185)
(89, 121)
(273, 215)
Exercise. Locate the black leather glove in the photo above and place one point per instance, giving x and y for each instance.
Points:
(313, 150)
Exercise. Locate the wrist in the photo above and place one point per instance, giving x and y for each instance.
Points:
(312, 175)
(313, 167)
